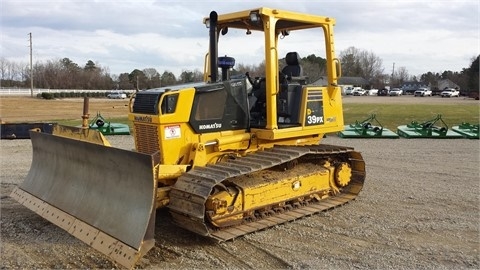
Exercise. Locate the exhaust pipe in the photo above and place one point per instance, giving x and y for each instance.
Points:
(213, 46)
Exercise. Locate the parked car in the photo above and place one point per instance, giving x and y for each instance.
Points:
(383, 92)
(372, 92)
(348, 91)
(423, 92)
(395, 92)
(117, 95)
(359, 92)
(450, 92)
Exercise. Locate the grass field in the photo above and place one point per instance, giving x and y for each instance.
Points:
(389, 115)
(393, 115)
(390, 112)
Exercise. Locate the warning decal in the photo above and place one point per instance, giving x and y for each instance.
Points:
(172, 132)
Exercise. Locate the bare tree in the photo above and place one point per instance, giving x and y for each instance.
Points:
(197, 75)
(400, 76)
(11, 73)
(350, 59)
(253, 70)
(361, 63)
(371, 66)
(152, 78)
(3, 68)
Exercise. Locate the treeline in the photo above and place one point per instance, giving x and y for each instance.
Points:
(56, 74)
(360, 63)
(467, 79)
(65, 74)
(63, 94)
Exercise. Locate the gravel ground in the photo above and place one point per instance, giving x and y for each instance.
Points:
(419, 209)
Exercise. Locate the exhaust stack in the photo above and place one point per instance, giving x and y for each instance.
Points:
(213, 46)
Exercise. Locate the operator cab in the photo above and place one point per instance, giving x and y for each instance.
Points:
(245, 98)
(291, 81)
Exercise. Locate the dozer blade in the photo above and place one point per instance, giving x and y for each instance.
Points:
(104, 196)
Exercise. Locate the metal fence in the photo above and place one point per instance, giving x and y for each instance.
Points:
(27, 91)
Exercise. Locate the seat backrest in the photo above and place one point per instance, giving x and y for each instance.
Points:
(293, 68)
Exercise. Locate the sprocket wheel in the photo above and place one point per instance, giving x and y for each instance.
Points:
(343, 174)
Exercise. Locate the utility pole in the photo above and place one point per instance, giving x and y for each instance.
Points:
(31, 67)
(393, 74)
(136, 90)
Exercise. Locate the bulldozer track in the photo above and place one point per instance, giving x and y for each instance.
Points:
(189, 194)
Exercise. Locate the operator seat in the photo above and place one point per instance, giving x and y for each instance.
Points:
(289, 96)
(293, 68)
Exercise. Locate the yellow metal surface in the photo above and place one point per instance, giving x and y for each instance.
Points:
(162, 198)
(142, 130)
(88, 189)
(188, 148)
(244, 192)
(167, 172)
(292, 20)
(267, 188)
(275, 22)
(279, 187)
(174, 166)
(81, 134)
(343, 174)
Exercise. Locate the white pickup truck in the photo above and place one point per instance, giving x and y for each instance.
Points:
(450, 92)
(422, 92)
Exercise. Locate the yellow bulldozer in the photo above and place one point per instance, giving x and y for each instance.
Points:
(228, 156)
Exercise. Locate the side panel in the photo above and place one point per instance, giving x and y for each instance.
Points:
(314, 111)
(163, 129)
(220, 107)
(320, 112)
(323, 109)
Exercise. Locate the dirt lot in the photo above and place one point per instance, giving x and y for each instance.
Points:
(419, 209)
(26, 109)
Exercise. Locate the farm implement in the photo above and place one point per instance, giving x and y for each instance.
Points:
(365, 129)
(468, 130)
(108, 128)
(434, 128)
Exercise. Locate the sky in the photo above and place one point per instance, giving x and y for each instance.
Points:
(121, 35)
